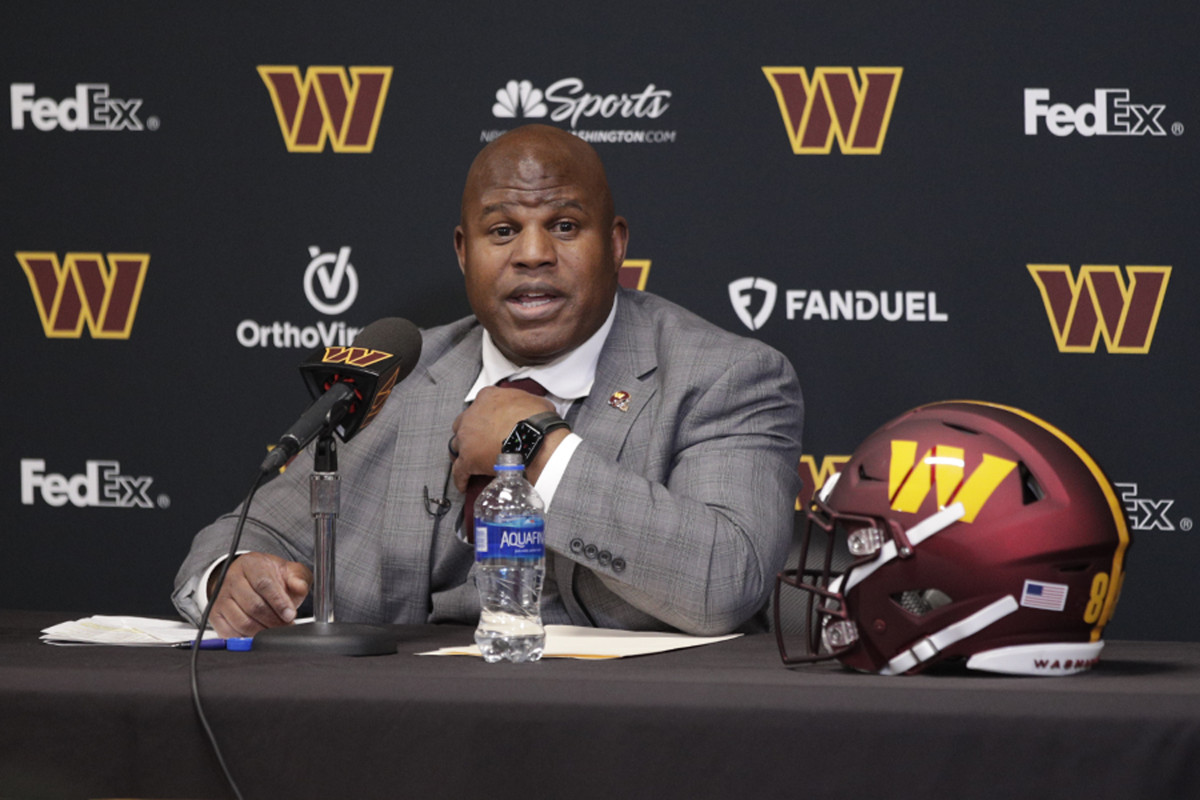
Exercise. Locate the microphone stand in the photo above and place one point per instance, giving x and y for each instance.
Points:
(325, 634)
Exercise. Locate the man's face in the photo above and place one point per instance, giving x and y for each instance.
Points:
(539, 251)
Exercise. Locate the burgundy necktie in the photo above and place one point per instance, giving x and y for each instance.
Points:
(477, 482)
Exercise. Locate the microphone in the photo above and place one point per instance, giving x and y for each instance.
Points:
(350, 385)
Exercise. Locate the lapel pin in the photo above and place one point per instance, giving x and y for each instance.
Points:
(619, 401)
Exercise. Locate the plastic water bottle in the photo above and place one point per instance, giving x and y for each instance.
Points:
(510, 556)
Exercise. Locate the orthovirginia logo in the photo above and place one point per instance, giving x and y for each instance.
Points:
(331, 287)
(100, 291)
(1099, 302)
(91, 109)
(327, 105)
(331, 271)
(830, 305)
(833, 104)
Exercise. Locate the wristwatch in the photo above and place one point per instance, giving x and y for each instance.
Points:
(528, 434)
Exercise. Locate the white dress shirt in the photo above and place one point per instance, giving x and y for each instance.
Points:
(566, 379)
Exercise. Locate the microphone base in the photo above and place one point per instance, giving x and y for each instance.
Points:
(333, 638)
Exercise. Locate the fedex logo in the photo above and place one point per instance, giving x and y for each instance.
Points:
(1147, 514)
(1109, 114)
(90, 109)
(100, 485)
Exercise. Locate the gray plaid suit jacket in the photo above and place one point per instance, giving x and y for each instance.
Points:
(673, 514)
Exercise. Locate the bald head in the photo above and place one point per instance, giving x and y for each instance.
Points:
(538, 156)
(538, 244)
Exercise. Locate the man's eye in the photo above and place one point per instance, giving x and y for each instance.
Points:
(503, 231)
(564, 226)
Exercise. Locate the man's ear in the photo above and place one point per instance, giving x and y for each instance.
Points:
(460, 245)
(620, 241)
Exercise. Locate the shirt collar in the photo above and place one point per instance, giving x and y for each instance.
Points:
(568, 377)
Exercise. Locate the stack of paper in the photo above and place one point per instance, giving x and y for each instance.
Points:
(136, 631)
(572, 641)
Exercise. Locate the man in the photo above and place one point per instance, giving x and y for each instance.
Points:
(669, 498)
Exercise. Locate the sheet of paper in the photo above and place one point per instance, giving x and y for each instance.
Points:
(571, 641)
(128, 631)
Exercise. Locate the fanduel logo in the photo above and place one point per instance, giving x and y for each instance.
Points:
(90, 289)
(327, 105)
(1109, 114)
(100, 485)
(835, 105)
(744, 291)
(849, 305)
(91, 109)
(1100, 302)
(911, 479)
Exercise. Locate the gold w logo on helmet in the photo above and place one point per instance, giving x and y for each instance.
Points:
(911, 479)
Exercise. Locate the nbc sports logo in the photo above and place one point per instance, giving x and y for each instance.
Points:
(1098, 302)
(328, 104)
(99, 291)
(519, 99)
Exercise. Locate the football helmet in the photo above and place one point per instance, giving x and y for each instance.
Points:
(973, 531)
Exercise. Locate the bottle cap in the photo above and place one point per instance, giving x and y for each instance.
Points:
(242, 643)
(510, 461)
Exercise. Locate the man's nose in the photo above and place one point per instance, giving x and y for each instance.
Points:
(535, 248)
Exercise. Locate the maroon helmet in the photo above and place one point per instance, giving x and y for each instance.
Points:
(974, 531)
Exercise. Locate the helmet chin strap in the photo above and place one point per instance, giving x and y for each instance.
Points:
(918, 533)
(933, 644)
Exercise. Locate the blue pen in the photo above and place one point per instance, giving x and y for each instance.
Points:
(205, 644)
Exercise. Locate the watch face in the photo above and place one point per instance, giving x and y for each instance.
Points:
(524, 439)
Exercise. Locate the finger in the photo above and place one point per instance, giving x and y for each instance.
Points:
(259, 590)
(229, 620)
(460, 474)
(299, 581)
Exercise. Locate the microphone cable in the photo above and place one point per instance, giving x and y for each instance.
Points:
(208, 731)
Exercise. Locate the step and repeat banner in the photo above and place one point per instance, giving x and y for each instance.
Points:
(913, 203)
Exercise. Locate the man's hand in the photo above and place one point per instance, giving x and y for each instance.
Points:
(260, 591)
(480, 431)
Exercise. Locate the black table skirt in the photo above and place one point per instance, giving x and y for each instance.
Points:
(726, 720)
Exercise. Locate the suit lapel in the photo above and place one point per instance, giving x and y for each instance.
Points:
(432, 397)
(624, 376)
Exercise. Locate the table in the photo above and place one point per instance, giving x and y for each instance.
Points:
(725, 720)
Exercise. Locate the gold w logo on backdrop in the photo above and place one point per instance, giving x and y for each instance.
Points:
(328, 104)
